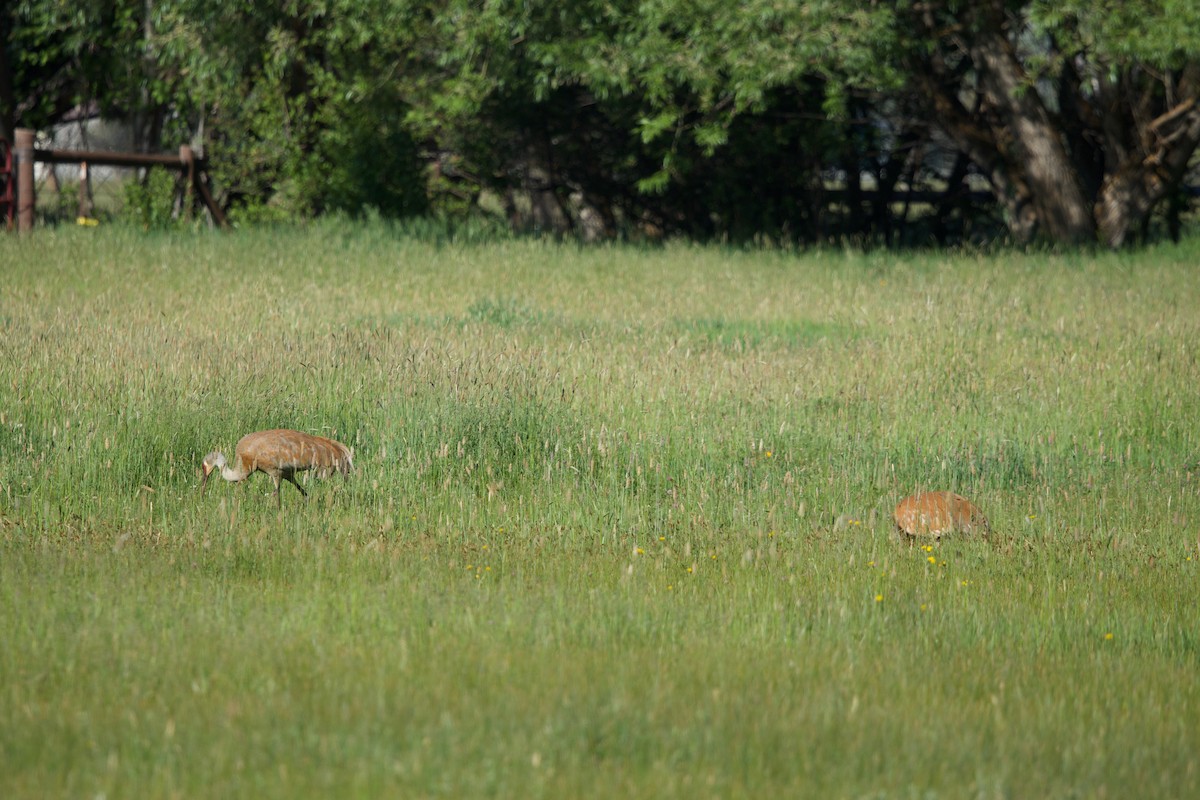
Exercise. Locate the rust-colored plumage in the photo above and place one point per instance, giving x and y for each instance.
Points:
(280, 453)
(935, 514)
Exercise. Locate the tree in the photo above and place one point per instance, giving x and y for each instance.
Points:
(1083, 115)
(54, 56)
(707, 118)
(292, 101)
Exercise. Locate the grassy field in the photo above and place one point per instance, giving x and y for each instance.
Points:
(620, 525)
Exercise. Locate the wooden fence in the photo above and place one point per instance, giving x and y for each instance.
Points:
(24, 155)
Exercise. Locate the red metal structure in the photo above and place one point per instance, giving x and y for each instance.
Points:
(6, 183)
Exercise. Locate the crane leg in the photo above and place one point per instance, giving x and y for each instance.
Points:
(292, 478)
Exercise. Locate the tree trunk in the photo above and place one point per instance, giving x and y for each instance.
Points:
(1094, 162)
(1037, 161)
(1129, 194)
(534, 203)
(888, 176)
(1007, 132)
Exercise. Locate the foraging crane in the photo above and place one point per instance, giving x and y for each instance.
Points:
(938, 513)
(280, 453)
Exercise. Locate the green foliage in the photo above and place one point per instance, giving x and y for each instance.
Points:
(149, 203)
(368, 160)
(1165, 34)
(50, 62)
(678, 100)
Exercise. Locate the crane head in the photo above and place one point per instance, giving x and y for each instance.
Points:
(212, 461)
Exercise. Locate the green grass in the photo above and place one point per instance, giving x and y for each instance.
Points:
(620, 526)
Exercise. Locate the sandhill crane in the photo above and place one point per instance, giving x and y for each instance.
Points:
(938, 513)
(280, 453)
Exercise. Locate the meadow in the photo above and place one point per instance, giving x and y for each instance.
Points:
(620, 526)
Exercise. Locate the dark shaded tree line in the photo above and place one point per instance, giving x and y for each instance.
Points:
(1076, 121)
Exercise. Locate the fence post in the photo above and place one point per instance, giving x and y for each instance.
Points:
(23, 158)
(84, 206)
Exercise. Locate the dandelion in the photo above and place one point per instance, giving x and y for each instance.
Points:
(640, 551)
(669, 587)
(769, 454)
(928, 548)
(1108, 637)
(713, 556)
(689, 569)
(870, 563)
(662, 538)
(932, 559)
(878, 598)
(924, 606)
(965, 582)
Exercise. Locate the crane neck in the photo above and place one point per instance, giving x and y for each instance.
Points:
(233, 475)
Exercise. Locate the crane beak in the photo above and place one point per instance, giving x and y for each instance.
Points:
(204, 481)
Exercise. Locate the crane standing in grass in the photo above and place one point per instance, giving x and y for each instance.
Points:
(280, 453)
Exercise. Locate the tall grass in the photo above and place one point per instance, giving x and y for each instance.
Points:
(620, 526)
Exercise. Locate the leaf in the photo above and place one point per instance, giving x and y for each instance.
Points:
(656, 183)
(651, 128)
(711, 136)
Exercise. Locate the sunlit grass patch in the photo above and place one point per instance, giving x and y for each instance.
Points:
(745, 334)
(505, 313)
